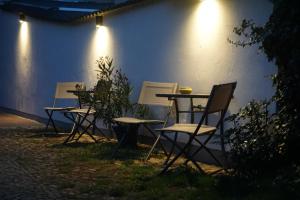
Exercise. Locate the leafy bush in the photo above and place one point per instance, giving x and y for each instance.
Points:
(257, 143)
(274, 143)
(112, 91)
(260, 147)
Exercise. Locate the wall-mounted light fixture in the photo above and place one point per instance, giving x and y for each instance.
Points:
(22, 18)
(99, 21)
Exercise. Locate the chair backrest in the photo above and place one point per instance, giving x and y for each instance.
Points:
(150, 89)
(220, 97)
(63, 87)
(218, 101)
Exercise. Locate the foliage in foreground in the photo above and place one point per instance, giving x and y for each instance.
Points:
(258, 142)
(266, 144)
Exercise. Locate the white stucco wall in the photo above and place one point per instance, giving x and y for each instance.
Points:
(168, 40)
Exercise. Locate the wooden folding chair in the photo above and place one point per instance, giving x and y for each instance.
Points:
(218, 102)
(148, 97)
(61, 92)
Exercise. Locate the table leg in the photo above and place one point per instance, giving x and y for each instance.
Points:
(192, 110)
(176, 109)
(127, 135)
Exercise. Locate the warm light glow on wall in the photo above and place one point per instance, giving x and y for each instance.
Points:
(202, 41)
(208, 18)
(100, 41)
(23, 63)
(100, 45)
(23, 36)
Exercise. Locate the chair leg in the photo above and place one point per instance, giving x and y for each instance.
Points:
(93, 124)
(73, 135)
(172, 149)
(203, 146)
(69, 138)
(94, 127)
(91, 136)
(153, 146)
(188, 152)
(189, 157)
(75, 127)
(155, 143)
(223, 143)
(206, 120)
(182, 151)
(94, 121)
(50, 120)
(197, 165)
(78, 124)
(85, 131)
(168, 163)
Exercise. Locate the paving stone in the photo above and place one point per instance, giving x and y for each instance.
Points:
(16, 181)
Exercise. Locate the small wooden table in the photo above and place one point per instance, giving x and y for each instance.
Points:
(175, 98)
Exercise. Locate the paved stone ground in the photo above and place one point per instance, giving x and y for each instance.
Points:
(29, 164)
(17, 181)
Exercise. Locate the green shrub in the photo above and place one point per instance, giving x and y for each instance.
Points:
(112, 91)
(259, 146)
(256, 145)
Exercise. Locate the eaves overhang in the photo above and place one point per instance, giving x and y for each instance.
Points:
(61, 11)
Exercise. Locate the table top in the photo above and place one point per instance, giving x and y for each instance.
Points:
(178, 95)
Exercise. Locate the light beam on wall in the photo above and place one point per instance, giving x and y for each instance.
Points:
(100, 41)
(23, 50)
(23, 64)
(100, 45)
(208, 18)
(200, 41)
(23, 36)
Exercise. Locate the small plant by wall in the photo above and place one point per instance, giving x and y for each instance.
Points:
(112, 91)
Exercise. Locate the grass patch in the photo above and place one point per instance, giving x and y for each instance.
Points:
(88, 171)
